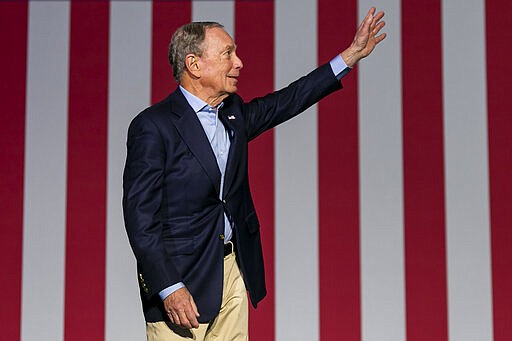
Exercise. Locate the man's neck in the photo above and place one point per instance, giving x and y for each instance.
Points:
(195, 89)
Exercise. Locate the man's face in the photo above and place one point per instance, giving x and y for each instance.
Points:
(220, 66)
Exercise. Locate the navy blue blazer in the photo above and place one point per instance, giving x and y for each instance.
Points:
(172, 211)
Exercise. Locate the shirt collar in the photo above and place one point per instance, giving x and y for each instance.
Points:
(195, 102)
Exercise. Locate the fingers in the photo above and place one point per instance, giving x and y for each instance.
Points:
(372, 23)
(380, 38)
(366, 38)
(191, 314)
(368, 19)
(181, 309)
(378, 27)
(376, 21)
(194, 307)
(373, 18)
(375, 27)
(184, 318)
(173, 316)
(371, 12)
(378, 16)
(191, 319)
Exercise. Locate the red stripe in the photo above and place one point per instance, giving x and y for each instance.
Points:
(338, 172)
(424, 207)
(499, 73)
(254, 22)
(13, 61)
(87, 171)
(167, 18)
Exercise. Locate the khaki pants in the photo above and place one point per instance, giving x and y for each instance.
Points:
(230, 325)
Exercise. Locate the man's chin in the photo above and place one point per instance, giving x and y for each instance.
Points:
(232, 89)
(233, 86)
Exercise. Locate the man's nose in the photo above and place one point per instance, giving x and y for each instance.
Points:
(238, 62)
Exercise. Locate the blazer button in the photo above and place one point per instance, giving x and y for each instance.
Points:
(221, 237)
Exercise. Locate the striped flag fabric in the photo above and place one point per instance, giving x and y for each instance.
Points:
(386, 209)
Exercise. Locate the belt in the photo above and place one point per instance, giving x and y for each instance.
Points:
(228, 248)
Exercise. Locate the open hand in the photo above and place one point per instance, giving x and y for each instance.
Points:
(366, 38)
(181, 309)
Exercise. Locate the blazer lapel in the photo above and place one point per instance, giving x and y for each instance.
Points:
(192, 133)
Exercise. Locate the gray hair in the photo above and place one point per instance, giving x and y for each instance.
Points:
(187, 39)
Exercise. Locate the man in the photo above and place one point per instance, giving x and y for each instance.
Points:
(187, 205)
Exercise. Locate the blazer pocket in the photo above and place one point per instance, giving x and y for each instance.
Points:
(179, 245)
(253, 225)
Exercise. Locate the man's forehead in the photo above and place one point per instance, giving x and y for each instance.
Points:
(218, 34)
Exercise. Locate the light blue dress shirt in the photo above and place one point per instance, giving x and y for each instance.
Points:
(219, 141)
(218, 138)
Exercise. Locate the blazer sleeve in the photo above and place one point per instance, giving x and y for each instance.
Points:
(267, 112)
(142, 200)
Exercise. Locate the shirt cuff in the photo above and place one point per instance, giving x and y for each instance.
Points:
(169, 290)
(339, 68)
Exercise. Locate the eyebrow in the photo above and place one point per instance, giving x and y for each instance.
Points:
(230, 47)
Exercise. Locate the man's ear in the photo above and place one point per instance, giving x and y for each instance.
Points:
(192, 65)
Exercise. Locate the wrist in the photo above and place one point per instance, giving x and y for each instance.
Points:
(350, 57)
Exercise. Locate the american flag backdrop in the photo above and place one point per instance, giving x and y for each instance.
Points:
(386, 209)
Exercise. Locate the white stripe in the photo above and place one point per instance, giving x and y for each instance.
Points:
(296, 178)
(382, 275)
(222, 11)
(129, 87)
(467, 188)
(44, 219)
(380, 134)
